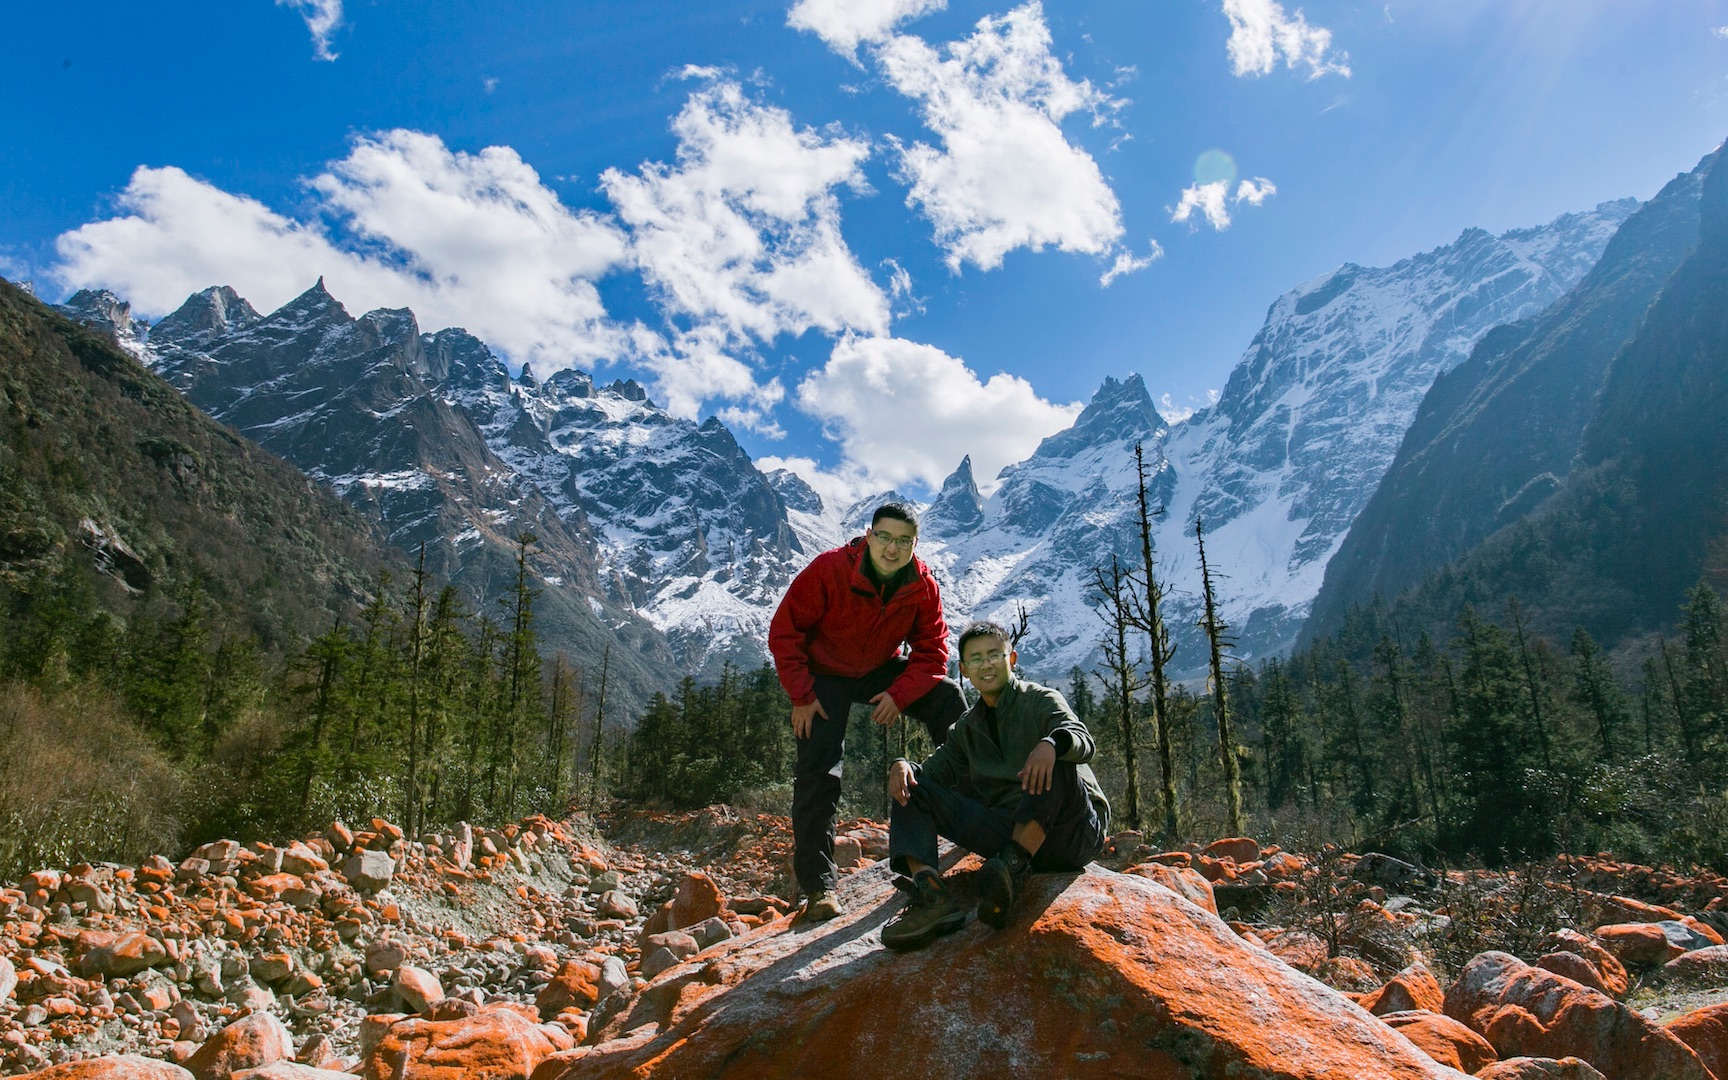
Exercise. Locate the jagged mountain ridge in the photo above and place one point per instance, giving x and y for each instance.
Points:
(357, 404)
(1314, 413)
(106, 469)
(668, 523)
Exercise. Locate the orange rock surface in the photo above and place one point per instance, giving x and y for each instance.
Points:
(1097, 975)
(122, 1067)
(1413, 988)
(497, 1043)
(1443, 1039)
(1527, 1011)
(1706, 1032)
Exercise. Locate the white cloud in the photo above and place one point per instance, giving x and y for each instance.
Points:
(846, 24)
(1127, 263)
(322, 18)
(902, 411)
(744, 234)
(741, 240)
(838, 488)
(1210, 200)
(1005, 176)
(1176, 414)
(1261, 32)
(472, 240)
(1255, 191)
(1721, 31)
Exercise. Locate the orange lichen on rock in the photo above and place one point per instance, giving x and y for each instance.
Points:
(1099, 974)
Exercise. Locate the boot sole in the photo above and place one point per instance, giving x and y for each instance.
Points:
(945, 925)
(995, 894)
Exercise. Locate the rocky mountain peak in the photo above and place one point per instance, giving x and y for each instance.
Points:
(212, 312)
(959, 507)
(1120, 411)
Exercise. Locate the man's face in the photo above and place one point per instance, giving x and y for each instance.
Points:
(890, 542)
(988, 662)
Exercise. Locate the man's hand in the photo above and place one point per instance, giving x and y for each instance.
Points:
(885, 712)
(801, 718)
(900, 781)
(1040, 764)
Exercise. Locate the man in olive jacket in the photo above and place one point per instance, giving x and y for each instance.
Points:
(1011, 783)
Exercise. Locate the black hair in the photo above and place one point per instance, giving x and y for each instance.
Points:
(899, 511)
(978, 628)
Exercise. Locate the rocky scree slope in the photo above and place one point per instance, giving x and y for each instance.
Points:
(546, 950)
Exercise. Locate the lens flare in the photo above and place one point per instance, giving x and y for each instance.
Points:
(1213, 166)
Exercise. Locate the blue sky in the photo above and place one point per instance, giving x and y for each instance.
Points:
(872, 235)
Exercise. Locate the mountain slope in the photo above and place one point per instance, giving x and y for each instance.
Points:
(103, 461)
(1643, 513)
(1497, 435)
(355, 403)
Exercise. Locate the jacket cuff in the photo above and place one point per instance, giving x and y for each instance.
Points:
(1062, 741)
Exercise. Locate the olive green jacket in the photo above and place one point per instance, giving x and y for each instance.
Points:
(1026, 713)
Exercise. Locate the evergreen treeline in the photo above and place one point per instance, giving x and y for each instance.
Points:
(1495, 744)
(726, 743)
(422, 711)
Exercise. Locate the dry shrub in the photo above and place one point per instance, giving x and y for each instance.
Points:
(78, 783)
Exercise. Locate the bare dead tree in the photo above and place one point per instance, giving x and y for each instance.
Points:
(1152, 623)
(599, 739)
(1215, 627)
(1115, 591)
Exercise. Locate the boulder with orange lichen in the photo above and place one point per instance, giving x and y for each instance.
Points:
(1097, 974)
(1413, 988)
(119, 1067)
(1443, 1039)
(1528, 1011)
(1706, 1032)
(498, 1042)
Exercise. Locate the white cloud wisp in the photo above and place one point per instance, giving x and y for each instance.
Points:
(1261, 32)
(472, 240)
(322, 18)
(1212, 200)
(741, 240)
(846, 24)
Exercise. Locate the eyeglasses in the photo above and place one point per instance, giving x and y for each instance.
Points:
(976, 660)
(889, 540)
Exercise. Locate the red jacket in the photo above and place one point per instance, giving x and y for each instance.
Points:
(832, 621)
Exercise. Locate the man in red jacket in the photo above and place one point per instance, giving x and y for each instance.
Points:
(837, 638)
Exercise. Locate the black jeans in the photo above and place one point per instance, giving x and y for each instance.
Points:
(1073, 835)
(816, 775)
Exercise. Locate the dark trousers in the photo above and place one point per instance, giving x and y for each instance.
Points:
(816, 775)
(1073, 835)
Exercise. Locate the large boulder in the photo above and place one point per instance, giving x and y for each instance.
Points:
(1413, 988)
(121, 1067)
(1527, 1011)
(1097, 974)
(1706, 1032)
(1443, 1039)
(496, 1043)
(1528, 1068)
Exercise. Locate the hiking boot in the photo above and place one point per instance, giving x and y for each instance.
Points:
(820, 907)
(930, 913)
(1001, 882)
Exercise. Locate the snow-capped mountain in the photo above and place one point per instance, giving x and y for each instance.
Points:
(662, 528)
(1050, 520)
(689, 533)
(361, 404)
(1313, 414)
